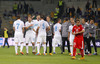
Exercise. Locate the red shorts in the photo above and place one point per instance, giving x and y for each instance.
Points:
(78, 43)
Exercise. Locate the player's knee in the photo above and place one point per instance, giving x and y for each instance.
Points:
(38, 42)
(44, 42)
(16, 42)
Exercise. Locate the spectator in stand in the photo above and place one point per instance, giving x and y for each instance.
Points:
(15, 8)
(26, 8)
(94, 5)
(0, 22)
(20, 8)
(87, 5)
(79, 12)
(31, 9)
(73, 11)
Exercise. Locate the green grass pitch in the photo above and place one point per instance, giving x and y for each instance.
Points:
(7, 56)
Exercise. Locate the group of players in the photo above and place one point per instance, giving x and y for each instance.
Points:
(36, 32)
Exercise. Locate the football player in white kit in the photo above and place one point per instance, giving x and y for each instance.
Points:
(71, 36)
(35, 26)
(30, 33)
(57, 35)
(18, 27)
(41, 31)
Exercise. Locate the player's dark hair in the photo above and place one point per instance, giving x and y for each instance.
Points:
(66, 19)
(42, 16)
(91, 19)
(18, 17)
(58, 19)
(77, 20)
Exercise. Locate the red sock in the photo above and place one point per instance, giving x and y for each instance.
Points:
(74, 51)
(82, 52)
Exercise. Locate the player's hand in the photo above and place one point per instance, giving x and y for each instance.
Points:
(90, 35)
(77, 33)
(33, 16)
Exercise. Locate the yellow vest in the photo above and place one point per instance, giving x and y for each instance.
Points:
(57, 10)
(5, 34)
(60, 3)
(15, 6)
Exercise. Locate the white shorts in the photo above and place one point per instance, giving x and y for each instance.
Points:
(41, 38)
(71, 39)
(57, 40)
(18, 37)
(29, 38)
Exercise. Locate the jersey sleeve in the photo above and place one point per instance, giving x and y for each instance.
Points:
(69, 29)
(82, 28)
(26, 24)
(14, 24)
(73, 29)
(47, 24)
(23, 24)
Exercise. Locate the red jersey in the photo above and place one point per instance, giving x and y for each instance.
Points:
(78, 29)
(78, 40)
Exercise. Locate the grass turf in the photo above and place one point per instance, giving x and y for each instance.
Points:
(7, 56)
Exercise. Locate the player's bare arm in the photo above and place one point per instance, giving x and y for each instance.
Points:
(29, 26)
(80, 32)
(14, 28)
(48, 29)
(68, 35)
(23, 29)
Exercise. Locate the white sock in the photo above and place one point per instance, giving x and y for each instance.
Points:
(44, 48)
(53, 48)
(33, 48)
(38, 48)
(71, 49)
(26, 48)
(21, 47)
(16, 47)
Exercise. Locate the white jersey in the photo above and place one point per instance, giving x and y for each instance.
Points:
(30, 29)
(18, 24)
(57, 27)
(35, 24)
(43, 25)
(71, 37)
(18, 36)
(70, 30)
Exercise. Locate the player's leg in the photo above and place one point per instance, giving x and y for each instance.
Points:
(33, 48)
(50, 45)
(54, 46)
(82, 54)
(63, 44)
(74, 53)
(95, 48)
(33, 40)
(38, 45)
(47, 39)
(16, 45)
(71, 45)
(68, 44)
(20, 38)
(44, 44)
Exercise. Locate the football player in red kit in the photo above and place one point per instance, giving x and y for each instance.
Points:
(78, 41)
